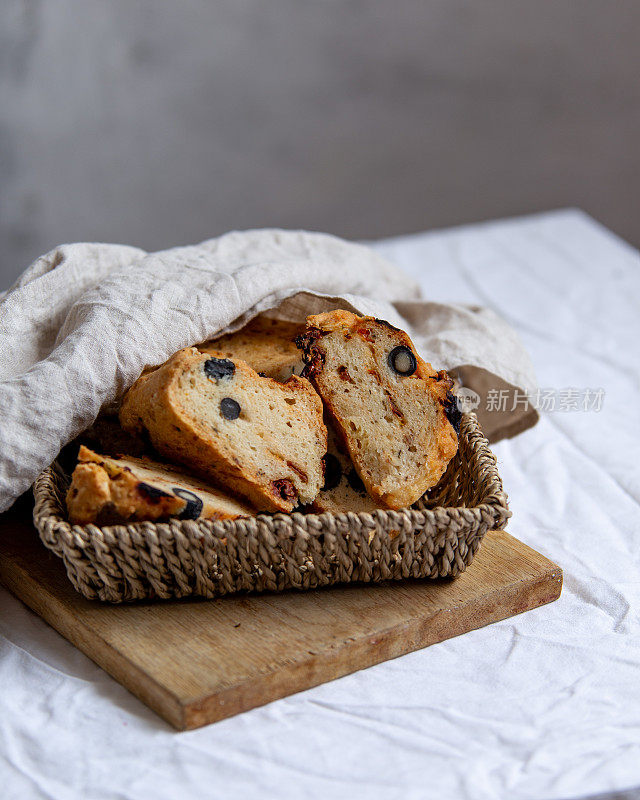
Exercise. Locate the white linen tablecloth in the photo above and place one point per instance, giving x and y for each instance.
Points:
(543, 705)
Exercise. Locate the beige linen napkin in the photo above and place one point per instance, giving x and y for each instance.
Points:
(83, 321)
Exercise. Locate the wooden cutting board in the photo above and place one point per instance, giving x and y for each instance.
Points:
(197, 661)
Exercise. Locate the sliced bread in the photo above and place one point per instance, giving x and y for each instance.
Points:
(266, 344)
(258, 438)
(107, 490)
(395, 414)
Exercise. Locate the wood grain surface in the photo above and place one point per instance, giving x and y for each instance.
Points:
(195, 661)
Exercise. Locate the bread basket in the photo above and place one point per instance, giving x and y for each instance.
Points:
(437, 537)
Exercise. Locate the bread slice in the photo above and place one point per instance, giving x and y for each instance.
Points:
(392, 410)
(107, 490)
(343, 489)
(256, 437)
(266, 344)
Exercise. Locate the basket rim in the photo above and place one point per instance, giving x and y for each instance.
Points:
(49, 508)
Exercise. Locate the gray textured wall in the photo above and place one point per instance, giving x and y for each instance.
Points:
(159, 123)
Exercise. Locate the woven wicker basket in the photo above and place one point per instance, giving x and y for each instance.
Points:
(437, 537)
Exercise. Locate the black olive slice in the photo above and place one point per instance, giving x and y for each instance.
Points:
(193, 509)
(229, 408)
(151, 493)
(216, 368)
(453, 413)
(402, 360)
